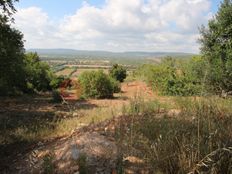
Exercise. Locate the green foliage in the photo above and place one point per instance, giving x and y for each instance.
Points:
(7, 9)
(116, 85)
(216, 41)
(48, 166)
(56, 81)
(175, 77)
(19, 72)
(12, 77)
(38, 74)
(118, 72)
(96, 84)
(56, 96)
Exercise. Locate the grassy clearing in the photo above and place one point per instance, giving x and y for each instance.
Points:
(175, 144)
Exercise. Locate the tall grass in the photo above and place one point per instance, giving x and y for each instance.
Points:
(171, 144)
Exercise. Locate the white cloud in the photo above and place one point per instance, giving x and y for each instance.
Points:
(152, 25)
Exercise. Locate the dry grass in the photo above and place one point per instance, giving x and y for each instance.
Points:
(167, 143)
(27, 120)
(175, 144)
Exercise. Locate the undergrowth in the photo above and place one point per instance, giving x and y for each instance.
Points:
(176, 144)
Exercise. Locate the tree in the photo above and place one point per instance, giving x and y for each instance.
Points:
(38, 74)
(118, 72)
(216, 41)
(11, 52)
(7, 8)
(19, 72)
(11, 59)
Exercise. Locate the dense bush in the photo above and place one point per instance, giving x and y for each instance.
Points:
(96, 84)
(39, 77)
(175, 77)
(216, 41)
(118, 72)
(19, 72)
(56, 82)
(116, 85)
(12, 78)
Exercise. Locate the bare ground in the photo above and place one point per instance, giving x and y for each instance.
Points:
(95, 142)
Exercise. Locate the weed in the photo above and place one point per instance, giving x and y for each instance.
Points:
(82, 161)
(48, 166)
(56, 96)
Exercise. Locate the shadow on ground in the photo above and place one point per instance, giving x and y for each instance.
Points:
(25, 121)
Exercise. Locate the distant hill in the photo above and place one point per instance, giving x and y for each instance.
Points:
(71, 53)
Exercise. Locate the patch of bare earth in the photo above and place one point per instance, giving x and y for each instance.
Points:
(96, 144)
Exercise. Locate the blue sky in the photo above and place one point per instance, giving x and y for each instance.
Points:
(58, 8)
(114, 25)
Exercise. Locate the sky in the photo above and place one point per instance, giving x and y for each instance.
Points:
(114, 25)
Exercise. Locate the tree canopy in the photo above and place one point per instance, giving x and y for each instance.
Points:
(11, 51)
(7, 9)
(118, 72)
(216, 41)
(20, 72)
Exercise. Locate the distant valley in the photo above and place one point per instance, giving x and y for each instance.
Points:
(72, 53)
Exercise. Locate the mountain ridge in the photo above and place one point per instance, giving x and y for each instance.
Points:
(92, 53)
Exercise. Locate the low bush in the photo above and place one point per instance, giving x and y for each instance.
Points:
(96, 84)
(116, 85)
(175, 77)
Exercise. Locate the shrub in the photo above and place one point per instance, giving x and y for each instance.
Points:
(118, 72)
(96, 84)
(38, 73)
(176, 77)
(56, 81)
(116, 85)
(56, 96)
(216, 39)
